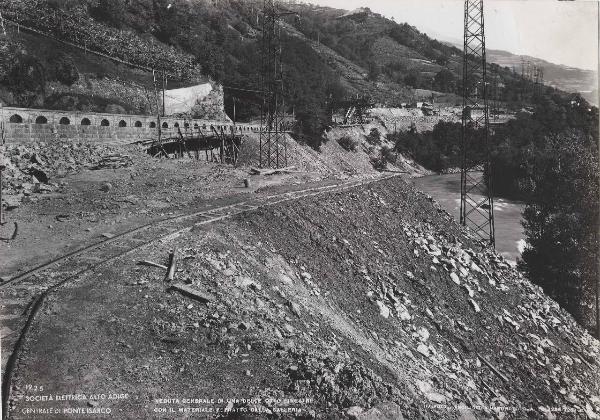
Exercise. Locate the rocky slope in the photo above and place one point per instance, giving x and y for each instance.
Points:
(368, 303)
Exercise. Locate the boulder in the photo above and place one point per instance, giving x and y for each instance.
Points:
(11, 201)
(106, 187)
(38, 173)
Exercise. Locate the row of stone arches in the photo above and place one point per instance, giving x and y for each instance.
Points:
(16, 118)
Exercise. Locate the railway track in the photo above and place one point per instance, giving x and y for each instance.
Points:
(23, 294)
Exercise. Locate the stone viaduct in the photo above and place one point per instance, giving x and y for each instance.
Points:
(22, 125)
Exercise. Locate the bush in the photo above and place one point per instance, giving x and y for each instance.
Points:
(445, 81)
(348, 143)
(64, 70)
(388, 154)
(374, 137)
(436, 150)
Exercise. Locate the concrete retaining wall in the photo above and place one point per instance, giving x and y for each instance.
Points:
(22, 125)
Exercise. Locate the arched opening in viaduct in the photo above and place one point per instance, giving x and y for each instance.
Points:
(41, 120)
(122, 123)
(86, 121)
(104, 123)
(64, 121)
(165, 125)
(152, 124)
(138, 124)
(176, 125)
(16, 118)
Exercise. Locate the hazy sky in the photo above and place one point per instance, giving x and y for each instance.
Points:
(562, 32)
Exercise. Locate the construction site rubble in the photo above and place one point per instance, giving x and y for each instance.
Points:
(113, 161)
(38, 168)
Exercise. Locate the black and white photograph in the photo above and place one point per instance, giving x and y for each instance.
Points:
(299, 209)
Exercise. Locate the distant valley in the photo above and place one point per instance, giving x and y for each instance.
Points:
(569, 79)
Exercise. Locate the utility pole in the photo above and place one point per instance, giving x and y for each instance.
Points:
(2, 167)
(495, 96)
(476, 198)
(538, 86)
(233, 110)
(273, 147)
(2, 163)
(158, 127)
(598, 308)
(164, 85)
(2, 127)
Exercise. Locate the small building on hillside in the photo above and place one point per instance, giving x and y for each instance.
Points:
(357, 14)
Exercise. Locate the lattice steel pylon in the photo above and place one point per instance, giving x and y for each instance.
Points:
(494, 95)
(538, 83)
(476, 198)
(273, 145)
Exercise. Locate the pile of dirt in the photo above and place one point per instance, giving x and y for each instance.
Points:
(36, 168)
(360, 304)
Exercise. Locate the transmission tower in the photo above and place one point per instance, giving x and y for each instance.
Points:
(494, 94)
(476, 198)
(539, 81)
(273, 147)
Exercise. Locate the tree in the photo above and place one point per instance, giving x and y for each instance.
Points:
(445, 81)
(374, 71)
(413, 78)
(111, 12)
(64, 69)
(442, 60)
(26, 78)
(561, 222)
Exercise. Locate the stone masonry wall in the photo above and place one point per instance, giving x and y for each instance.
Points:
(22, 125)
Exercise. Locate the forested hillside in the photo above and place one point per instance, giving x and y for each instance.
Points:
(329, 55)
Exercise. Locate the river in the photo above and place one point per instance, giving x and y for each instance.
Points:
(445, 189)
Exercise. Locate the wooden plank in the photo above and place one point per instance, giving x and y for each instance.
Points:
(493, 369)
(287, 169)
(193, 293)
(172, 262)
(152, 264)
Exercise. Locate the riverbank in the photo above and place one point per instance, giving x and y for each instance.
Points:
(510, 235)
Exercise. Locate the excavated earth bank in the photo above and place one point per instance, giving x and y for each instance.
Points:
(369, 303)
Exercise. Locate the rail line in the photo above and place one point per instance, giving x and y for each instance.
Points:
(25, 293)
